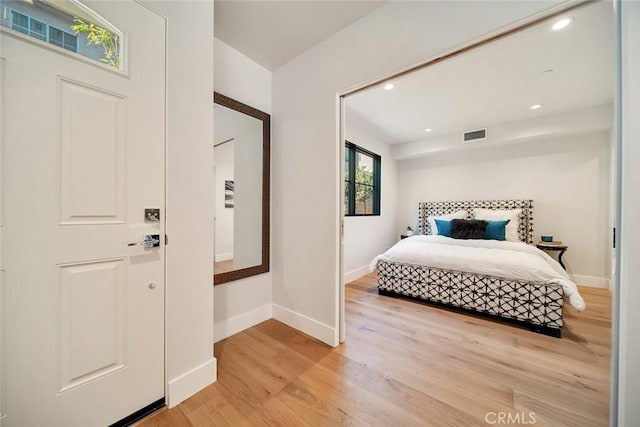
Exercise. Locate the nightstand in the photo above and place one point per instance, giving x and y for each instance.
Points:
(554, 247)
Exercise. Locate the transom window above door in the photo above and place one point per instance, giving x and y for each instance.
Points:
(67, 24)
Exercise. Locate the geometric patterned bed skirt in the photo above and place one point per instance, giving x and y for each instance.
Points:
(535, 305)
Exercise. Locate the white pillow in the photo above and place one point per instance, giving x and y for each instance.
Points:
(513, 215)
(455, 215)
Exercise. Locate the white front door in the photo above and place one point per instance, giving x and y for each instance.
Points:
(83, 156)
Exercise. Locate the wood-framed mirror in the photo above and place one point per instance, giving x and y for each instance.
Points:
(242, 143)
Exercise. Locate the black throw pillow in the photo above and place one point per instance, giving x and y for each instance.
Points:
(468, 228)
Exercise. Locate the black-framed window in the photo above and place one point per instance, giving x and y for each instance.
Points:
(361, 181)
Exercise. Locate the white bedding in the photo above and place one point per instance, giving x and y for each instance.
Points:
(511, 260)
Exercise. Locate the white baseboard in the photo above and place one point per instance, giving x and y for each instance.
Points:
(226, 328)
(189, 383)
(590, 281)
(309, 326)
(356, 274)
(225, 256)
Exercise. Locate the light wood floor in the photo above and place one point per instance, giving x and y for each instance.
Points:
(407, 364)
(223, 266)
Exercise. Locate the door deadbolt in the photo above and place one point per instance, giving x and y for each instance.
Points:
(152, 215)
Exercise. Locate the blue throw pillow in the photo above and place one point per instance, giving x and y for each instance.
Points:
(495, 230)
(444, 227)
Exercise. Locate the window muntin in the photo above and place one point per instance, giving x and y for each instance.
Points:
(63, 39)
(38, 29)
(55, 36)
(20, 22)
(69, 41)
(362, 181)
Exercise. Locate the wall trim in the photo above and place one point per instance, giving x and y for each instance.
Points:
(591, 281)
(228, 327)
(309, 326)
(356, 274)
(191, 382)
(224, 256)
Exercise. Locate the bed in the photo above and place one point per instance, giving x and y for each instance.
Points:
(508, 280)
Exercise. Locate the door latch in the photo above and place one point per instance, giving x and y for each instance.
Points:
(150, 241)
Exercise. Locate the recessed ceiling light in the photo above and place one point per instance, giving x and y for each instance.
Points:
(561, 23)
(388, 86)
(536, 106)
(428, 130)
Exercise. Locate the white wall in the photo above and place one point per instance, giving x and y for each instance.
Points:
(223, 234)
(247, 226)
(591, 119)
(569, 180)
(629, 295)
(367, 236)
(305, 228)
(241, 78)
(242, 303)
(2, 174)
(189, 299)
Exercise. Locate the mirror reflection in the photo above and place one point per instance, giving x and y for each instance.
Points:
(240, 186)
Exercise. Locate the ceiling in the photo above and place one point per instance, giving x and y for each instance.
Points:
(497, 83)
(274, 32)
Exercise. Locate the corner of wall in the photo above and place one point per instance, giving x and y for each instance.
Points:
(244, 303)
(189, 267)
(591, 281)
(230, 326)
(355, 274)
(191, 382)
(309, 326)
(360, 245)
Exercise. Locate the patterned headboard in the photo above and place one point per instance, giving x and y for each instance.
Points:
(525, 232)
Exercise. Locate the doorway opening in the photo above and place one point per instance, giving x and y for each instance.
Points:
(543, 96)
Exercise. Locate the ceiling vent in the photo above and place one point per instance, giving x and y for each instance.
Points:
(474, 135)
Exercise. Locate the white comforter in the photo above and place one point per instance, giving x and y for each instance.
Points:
(512, 260)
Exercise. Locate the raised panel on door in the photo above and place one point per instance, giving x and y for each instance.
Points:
(92, 318)
(92, 154)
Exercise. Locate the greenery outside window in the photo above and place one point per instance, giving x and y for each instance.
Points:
(361, 181)
(63, 28)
